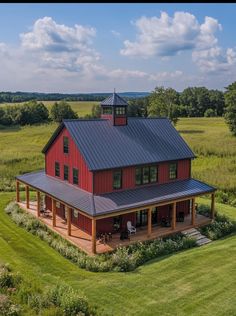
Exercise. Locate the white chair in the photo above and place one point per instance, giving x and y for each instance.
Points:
(131, 229)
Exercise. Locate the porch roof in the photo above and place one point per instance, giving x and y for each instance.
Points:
(95, 205)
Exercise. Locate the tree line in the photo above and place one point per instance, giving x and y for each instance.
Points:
(34, 112)
(163, 102)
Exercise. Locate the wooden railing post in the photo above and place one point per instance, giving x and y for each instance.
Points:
(149, 222)
(53, 212)
(213, 205)
(38, 203)
(68, 220)
(17, 191)
(93, 235)
(193, 213)
(27, 195)
(173, 222)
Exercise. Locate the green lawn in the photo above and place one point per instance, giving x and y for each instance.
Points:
(200, 281)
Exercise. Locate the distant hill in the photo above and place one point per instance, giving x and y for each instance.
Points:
(12, 97)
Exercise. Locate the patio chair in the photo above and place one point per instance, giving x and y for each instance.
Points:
(180, 217)
(124, 235)
(165, 222)
(131, 229)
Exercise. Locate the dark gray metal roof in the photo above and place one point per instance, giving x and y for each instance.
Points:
(141, 141)
(114, 100)
(116, 201)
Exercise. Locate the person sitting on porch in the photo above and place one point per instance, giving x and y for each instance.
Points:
(131, 229)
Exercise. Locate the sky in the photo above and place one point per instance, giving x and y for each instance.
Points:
(82, 48)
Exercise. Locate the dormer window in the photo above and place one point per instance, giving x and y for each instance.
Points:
(107, 110)
(120, 110)
(65, 145)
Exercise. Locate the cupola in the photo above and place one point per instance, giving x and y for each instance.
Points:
(114, 108)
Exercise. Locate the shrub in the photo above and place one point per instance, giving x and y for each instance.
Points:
(220, 227)
(122, 259)
(7, 308)
(7, 278)
(69, 300)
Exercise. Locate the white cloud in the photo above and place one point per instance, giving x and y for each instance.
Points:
(115, 33)
(167, 36)
(163, 36)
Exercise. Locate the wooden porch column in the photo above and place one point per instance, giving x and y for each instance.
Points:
(149, 222)
(38, 203)
(213, 205)
(68, 220)
(53, 212)
(193, 213)
(27, 195)
(173, 222)
(17, 191)
(93, 235)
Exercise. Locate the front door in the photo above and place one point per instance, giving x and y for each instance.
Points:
(141, 218)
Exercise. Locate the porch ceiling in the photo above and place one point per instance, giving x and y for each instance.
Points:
(96, 205)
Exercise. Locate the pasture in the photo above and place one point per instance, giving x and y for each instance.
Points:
(209, 138)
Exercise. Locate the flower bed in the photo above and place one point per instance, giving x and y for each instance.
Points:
(122, 259)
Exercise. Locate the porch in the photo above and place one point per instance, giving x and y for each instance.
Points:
(84, 241)
(77, 215)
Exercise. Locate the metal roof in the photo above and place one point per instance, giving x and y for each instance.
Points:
(114, 100)
(141, 141)
(116, 201)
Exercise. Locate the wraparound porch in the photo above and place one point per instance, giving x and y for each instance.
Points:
(89, 244)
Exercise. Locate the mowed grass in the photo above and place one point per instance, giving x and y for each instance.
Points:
(200, 281)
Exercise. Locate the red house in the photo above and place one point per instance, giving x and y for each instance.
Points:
(102, 173)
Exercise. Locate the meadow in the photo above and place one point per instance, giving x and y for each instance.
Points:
(192, 282)
(209, 138)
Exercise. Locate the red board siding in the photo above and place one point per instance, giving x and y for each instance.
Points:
(120, 120)
(103, 179)
(73, 159)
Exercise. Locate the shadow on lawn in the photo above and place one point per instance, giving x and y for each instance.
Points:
(191, 131)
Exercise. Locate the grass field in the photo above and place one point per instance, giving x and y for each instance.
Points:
(200, 281)
(209, 138)
(81, 107)
(215, 147)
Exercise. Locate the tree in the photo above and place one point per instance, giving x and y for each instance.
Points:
(217, 101)
(230, 111)
(210, 113)
(30, 113)
(164, 103)
(138, 107)
(62, 110)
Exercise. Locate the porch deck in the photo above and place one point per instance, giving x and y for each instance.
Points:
(84, 241)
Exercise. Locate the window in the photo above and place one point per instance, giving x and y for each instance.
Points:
(57, 169)
(138, 176)
(153, 174)
(107, 110)
(173, 170)
(65, 145)
(117, 179)
(120, 111)
(58, 205)
(66, 172)
(145, 175)
(75, 176)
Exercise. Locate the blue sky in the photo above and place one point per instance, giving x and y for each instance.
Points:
(132, 47)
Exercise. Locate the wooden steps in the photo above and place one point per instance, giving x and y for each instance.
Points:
(200, 239)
